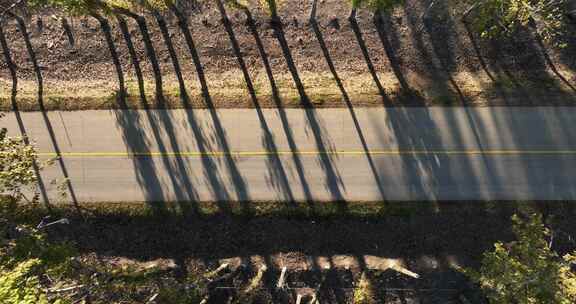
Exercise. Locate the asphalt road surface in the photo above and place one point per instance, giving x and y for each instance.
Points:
(369, 154)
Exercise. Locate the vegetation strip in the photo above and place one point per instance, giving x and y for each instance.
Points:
(311, 153)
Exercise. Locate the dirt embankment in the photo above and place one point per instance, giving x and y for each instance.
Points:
(435, 59)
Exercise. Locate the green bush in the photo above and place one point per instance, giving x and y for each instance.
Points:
(526, 271)
(20, 285)
(493, 18)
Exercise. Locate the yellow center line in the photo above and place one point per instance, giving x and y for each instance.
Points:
(308, 153)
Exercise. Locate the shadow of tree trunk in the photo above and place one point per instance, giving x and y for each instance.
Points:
(279, 33)
(210, 167)
(133, 56)
(105, 26)
(549, 61)
(333, 180)
(482, 61)
(277, 168)
(282, 113)
(173, 56)
(238, 182)
(13, 95)
(68, 30)
(380, 21)
(366, 55)
(38, 72)
(181, 184)
(150, 52)
(332, 68)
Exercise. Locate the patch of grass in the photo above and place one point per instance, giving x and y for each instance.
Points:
(228, 90)
(296, 210)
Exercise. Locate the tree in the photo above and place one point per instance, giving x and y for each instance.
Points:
(493, 18)
(527, 270)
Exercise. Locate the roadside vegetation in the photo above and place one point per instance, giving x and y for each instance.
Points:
(527, 270)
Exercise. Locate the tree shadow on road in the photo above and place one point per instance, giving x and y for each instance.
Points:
(38, 72)
(251, 23)
(238, 182)
(276, 168)
(333, 179)
(402, 124)
(176, 166)
(330, 63)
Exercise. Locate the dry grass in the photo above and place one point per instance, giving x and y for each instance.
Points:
(228, 90)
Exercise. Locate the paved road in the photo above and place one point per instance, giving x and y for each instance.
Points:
(325, 154)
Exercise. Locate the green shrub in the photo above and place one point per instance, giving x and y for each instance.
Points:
(527, 270)
(493, 18)
(20, 285)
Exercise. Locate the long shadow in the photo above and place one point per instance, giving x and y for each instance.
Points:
(340, 85)
(366, 55)
(68, 30)
(181, 184)
(333, 180)
(182, 180)
(542, 179)
(133, 132)
(442, 51)
(438, 66)
(478, 52)
(38, 72)
(546, 55)
(105, 26)
(276, 168)
(502, 67)
(22, 128)
(133, 56)
(150, 52)
(238, 182)
(173, 56)
(281, 111)
(381, 21)
(401, 124)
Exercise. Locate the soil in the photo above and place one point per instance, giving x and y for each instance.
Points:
(435, 56)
